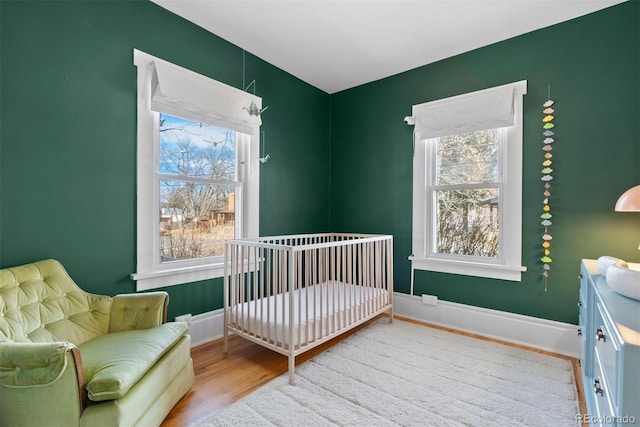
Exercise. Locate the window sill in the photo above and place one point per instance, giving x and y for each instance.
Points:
(477, 269)
(177, 276)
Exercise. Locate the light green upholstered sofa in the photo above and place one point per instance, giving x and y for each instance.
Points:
(71, 358)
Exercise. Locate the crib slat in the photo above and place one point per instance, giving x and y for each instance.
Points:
(280, 290)
(330, 294)
(283, 295)
(359, 282)
(298, 257)
(307, 270)
(320, 295)
(314, 281)
(335, 312)
(268, 286)
(259, 274)
(349, 280)
(255, 289)
(377, 280)
(234, 274)
(227, 285)
(370, 276)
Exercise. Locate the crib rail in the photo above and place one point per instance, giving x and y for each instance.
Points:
(292, 293)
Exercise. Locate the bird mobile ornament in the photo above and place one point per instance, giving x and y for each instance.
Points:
(254, 110)
(265, 157)
(547, 177)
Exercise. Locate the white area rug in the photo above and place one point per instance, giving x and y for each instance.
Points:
(410, 375)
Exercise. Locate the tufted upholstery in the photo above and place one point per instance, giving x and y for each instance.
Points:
(70, 358)
(40, 303)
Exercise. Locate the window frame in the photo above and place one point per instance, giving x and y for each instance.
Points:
(150, 272)
(508, 265)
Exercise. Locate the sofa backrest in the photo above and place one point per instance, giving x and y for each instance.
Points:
(39, 302)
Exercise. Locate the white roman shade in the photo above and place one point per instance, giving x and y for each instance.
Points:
(484, 109)
(184, 93)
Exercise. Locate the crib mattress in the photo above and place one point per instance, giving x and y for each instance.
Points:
(318, 310)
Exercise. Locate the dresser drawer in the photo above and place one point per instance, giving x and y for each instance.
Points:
(602, 393)
(582, 308)
(584, 322)
(606, 352)
(610, 356)
(583, 302)
(582, 332)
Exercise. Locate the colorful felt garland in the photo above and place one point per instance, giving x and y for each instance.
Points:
(546, 216)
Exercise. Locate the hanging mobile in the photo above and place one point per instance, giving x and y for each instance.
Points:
(547, 177)
(252, 109)
(264, 157)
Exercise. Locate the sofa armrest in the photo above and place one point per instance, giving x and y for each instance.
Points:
(41, 383)
(138, 311)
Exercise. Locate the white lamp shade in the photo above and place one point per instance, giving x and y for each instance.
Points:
(629, 201)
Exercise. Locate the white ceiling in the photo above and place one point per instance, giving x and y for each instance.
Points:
(336, 45)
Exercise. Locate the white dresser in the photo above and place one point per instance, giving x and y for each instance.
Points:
(609, 327)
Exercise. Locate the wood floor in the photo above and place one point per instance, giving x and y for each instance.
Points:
(223, 379)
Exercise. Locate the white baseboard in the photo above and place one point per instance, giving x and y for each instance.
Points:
(206, 327)
(556, 337)
(543, 334)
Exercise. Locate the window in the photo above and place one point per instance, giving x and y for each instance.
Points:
(467, 185)
(198, 180)
(465, 188)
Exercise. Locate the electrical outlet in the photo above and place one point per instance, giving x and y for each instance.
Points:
(429, 299)
(184, 318)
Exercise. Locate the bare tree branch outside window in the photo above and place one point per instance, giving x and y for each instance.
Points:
(467, 194)
(197, 207)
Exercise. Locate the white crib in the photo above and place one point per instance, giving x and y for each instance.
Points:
(293, 293)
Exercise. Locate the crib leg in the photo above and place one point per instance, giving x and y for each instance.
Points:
(225, 341)
(391, 315)
(292, 369)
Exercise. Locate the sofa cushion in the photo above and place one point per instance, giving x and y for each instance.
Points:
(113, 363)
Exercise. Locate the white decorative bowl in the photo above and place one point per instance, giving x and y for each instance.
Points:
(604, 262)
(624, 280)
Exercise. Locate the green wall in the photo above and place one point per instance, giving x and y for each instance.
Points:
(68, 137)
(341, 162)
(592, 65)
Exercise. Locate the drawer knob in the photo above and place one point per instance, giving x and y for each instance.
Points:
(579, 332)
(597, 388)
(580, 276)
(580, 304)
(600, 334)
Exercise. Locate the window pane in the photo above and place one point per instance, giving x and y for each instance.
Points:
(468, 158)
(196, 149)
(467, 222)
(195, 219)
